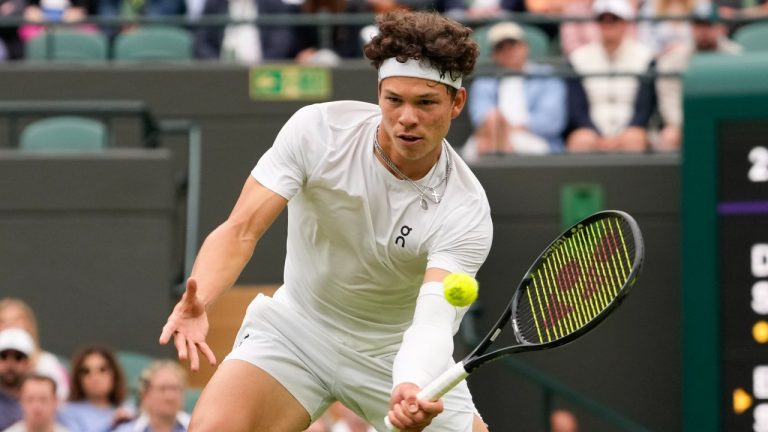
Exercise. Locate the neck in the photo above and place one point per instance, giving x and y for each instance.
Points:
(99, 401)
(39, 428)
(162, 423)
(612, 46)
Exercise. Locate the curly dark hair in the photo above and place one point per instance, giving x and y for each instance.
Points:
(445, 43)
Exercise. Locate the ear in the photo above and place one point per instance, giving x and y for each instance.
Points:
(458, 102)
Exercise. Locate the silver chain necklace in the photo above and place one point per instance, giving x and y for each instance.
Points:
(425, 192)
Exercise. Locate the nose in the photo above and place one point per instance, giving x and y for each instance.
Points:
(408, 116)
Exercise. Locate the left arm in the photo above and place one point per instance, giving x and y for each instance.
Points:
(429, 337)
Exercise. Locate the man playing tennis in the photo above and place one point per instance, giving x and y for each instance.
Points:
(380, 210)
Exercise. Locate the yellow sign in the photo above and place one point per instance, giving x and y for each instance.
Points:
(742, 401)
(290, 83)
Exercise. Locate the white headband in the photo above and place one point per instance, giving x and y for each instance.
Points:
(416, 69)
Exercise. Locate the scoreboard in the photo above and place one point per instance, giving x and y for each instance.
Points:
(725, 245)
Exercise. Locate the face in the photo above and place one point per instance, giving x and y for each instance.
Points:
(416, 116)
(96, 376)
(38, 401)
(706, 35)
(612, 28)
(165, 394)
(13, 366)
(510, 54)
(13, 316)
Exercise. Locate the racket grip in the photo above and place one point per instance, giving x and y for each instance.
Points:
(438, 387)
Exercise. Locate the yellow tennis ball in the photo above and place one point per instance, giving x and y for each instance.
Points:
(460, 289)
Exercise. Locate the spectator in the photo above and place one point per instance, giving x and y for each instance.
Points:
(345, 420)
(208, 39)
(16, 345)
(611, 113)
(45, 11)
(562, 420)
(709, 36)
(161, 393)
(96, 400)
(513, 114)
(480, 8)
(664, 35)
(16, 313)
(742, 8)
(39, 404)
(11, 47)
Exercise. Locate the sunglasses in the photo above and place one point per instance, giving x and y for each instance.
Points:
(607, 18)
(13, 355)
(87, 371)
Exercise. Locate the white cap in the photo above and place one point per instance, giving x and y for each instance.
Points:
(505, 31)
(620, 8)
(18, 340)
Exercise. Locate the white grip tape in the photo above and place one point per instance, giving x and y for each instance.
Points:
(438, 387)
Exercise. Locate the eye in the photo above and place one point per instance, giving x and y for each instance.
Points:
(393, 99)
(427, 102)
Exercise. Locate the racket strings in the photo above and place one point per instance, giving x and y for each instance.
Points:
(576, 280)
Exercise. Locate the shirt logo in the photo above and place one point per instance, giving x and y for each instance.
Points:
(404, 231)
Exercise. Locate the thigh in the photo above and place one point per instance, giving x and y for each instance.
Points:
(241, 397)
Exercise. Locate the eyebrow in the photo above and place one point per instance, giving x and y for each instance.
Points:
(431, 94)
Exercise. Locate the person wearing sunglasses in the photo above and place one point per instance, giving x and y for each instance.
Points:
(16, 346)
(98, 393)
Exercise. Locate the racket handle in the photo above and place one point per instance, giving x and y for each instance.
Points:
(438, 387)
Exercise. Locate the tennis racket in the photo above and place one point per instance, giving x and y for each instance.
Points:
(577, 281)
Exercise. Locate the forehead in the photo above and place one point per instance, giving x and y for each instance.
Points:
(409, 86)
(37, 386)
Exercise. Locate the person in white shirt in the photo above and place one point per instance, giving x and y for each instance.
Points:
(39, 404)
(380, 210)
(611, 113)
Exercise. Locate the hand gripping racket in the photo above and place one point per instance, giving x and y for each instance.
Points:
(577, 281)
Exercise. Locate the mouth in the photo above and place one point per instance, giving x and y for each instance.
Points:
(409, 139)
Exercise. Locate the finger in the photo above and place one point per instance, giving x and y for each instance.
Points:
(208, 352)
(166, 333)
(181, 345)
(194, 359)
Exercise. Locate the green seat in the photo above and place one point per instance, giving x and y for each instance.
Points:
(133, 363)
(537, 39)
(67, 45)
(64, 133)
(753, 37)
(154, 43)
(190, 398)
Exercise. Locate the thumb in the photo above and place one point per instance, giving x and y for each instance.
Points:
(191, 289)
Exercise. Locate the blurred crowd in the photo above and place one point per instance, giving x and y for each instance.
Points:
(43, 392)
(608, 81)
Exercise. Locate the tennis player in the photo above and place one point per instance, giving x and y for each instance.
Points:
(380, 210)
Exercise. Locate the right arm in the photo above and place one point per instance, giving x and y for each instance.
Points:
(220, 261)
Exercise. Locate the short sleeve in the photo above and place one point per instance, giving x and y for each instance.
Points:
(463, 240)
(297, 149)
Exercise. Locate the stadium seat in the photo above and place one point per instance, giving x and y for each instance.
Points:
(753, 37)
(538, 42)
(64, 133)
(154, 43)
(67, 45)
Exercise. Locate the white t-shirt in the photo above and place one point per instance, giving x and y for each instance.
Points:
(358, 240)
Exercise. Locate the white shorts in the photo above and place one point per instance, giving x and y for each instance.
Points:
(318, 369)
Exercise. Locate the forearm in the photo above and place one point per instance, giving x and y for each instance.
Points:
(221, 259)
